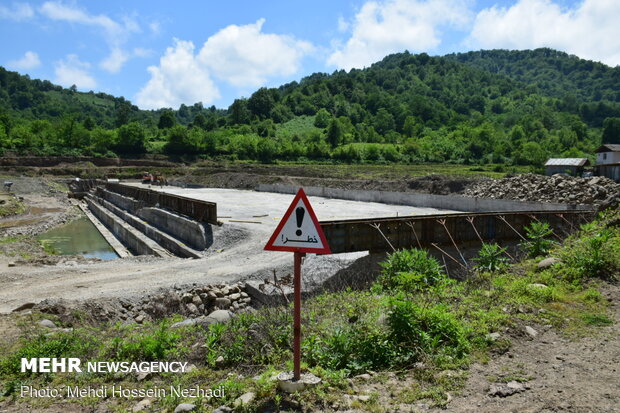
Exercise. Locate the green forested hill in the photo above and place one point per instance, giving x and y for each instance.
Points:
(34, 99)
(511, 107)
(554, 73)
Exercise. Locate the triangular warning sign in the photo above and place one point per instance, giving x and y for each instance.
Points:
(299, 229)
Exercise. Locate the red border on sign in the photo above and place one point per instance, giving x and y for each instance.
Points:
(300, 195)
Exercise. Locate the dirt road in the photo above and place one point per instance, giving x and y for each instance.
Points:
(557, 374)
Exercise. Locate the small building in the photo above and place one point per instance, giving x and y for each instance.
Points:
(608, 154)
(608, 161)
(569, 166)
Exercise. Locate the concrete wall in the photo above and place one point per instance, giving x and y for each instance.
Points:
(121, 201)
(191, 232)
(161, 238)
(417, 199)
(134, 240)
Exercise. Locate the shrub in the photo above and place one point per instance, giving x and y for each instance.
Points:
(491, 258)
(251, 338)
(41, 346)
(147, 346)
(589, 256)
(354, 349)
(411, 270)
(538, 243)
(432, 330)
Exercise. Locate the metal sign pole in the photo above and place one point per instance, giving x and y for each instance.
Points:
(299, 232)
(297, 317)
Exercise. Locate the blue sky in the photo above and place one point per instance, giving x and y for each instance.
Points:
(164, 53)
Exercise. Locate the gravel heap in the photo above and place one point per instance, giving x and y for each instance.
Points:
(596, 190)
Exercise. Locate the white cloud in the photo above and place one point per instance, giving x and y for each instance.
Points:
(115, 61)
(343, 25)
(384, 27)
(141, 52)
(117, 58)
(61, 12)
(72, 71)
(115, 33)
(590, 30)
(19, 11)
(155, 27)
(179, 78)
(244, 56)
(29, 61)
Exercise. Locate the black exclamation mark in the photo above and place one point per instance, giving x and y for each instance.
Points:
(299, 213)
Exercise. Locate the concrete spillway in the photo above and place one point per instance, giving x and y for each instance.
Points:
(146, 230)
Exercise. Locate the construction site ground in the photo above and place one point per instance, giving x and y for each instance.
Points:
(237, 252)
(558, 373)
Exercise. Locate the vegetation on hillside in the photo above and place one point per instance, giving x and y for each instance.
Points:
(508, 107)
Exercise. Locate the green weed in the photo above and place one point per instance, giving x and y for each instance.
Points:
(491, 257)
(596, 319)
(538, 242)
(411, 270)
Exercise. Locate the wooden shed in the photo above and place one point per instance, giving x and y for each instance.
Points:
(569, 166)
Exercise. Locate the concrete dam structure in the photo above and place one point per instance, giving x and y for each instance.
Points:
(174, 221)
(136, 217)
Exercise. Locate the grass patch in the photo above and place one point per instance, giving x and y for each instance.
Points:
(596, 319)
(11, 205)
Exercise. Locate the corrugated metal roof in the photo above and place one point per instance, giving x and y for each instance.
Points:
(567, 162)
(608, 147)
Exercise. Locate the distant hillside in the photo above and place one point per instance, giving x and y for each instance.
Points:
(508, 107)
(40, 99)
(554, 73)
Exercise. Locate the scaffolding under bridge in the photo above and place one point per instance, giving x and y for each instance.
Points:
(452, 230)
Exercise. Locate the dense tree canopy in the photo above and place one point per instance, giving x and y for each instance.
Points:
(511, 107)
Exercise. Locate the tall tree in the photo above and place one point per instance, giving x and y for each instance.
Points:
(131, 139)
(166, 120)
(334, 133)
(611, 130)
(239, 112)
(261, 102)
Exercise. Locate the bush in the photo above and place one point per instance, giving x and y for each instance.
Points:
(353, 349)
(41, 346)
(255, 339)
(538, 243)
(491, 258)
(411, 270)
(589, 257)
(434, 330)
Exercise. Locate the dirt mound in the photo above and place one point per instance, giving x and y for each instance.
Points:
(557, 188)
(432, 184)
(440, 184)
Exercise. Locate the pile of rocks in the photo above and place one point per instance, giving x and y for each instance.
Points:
(193, 301)
(596, 190)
